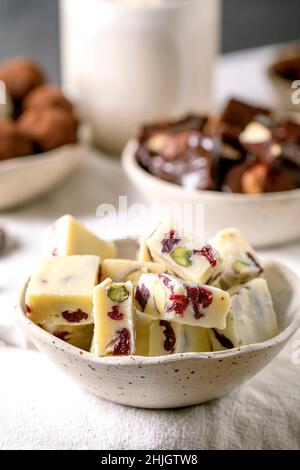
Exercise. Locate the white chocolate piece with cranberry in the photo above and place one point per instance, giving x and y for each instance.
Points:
(60, 290)
(240, 262)
(184, 255)
(252, 318)
(128, 270)
(114, 318)
(173, 338)
(78, 335)
(67, 237)
(167, 297)
(142, 330)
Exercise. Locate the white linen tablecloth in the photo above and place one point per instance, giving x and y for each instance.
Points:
(42, 408)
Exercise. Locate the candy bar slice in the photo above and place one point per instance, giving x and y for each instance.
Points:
(167, 297)
(252, 318)
(172, 338)
(114, 319)
(61, 288)
(77, 335)
(143, 323)
(240, 262)
(68, 237)
(128, 270)
(186, 256)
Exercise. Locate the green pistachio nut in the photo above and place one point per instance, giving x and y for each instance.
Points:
(117, 293)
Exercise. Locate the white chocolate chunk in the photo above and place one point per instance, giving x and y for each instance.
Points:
(68, 237)
(184, 256)
(60, 290)
(252, 318)
(114, 319)
(173, 338)
(167, 297)
(77, 335)
(143, 252)
(143, 323)
(240, 263)
(128, 270)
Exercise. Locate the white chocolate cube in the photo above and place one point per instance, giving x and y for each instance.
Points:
(173, 338)
(240, 262)
(127, 270)
(78, 335)
(252, 318)
(143, 252)
(67, 237)
(167, 297)
(114, 319)
(60, 290)
(183, 255)
(142, 329)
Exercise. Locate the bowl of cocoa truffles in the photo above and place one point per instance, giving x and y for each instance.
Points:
(242, 167)
(40, 136)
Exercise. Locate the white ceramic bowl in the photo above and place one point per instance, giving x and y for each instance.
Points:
(265, 219)
(26, 178)
(180, 379)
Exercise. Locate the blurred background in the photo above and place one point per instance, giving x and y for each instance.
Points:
(32, 27)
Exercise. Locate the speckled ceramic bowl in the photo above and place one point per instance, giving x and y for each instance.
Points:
(24, 179)
(180, 379)
(266, 219)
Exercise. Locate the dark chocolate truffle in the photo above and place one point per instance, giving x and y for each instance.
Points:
(48, 128)
(13, 143)
(20, 75)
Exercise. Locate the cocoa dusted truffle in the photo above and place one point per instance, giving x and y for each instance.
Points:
(20, 76)
(13, 143)
(48, 128)
(47, 96)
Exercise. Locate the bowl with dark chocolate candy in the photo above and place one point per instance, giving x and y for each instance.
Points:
(244, 167)
(283, 72)
(40, 140)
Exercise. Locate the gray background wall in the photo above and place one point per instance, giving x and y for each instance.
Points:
(31, 27)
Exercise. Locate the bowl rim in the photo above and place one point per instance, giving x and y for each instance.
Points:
(135, 171)
(10, 164)
(288, 332)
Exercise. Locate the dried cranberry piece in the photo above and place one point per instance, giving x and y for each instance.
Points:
(142, 295)
(179, 304)
(61, 334)
(256, 263)
(166, 280)
(122, 342)
(115, 313)
(74, 317)
(225, 342)
(28, 310)
(208, 253)
(170, 335)
(170, 240)
(199, 298)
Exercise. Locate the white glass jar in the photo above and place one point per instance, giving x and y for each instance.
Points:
(126, 62)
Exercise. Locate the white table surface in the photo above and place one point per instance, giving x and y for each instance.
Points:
(99, 179)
